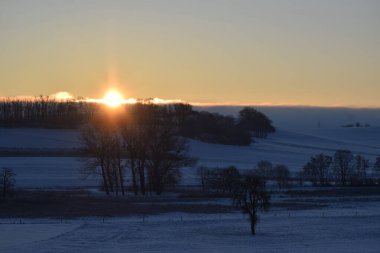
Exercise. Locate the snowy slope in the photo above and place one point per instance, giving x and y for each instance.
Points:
(38, 138)
(292, 148)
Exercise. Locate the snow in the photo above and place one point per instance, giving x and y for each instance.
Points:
(38, 138)
(17, 235)
(290, 147)
(48, 172)
(203, 233)
(342, 226)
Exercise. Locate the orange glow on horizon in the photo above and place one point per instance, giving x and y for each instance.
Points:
(113, 99)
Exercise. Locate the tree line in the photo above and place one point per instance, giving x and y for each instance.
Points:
(217, 128)
(46, 112)
(225, 180)
(343, 168)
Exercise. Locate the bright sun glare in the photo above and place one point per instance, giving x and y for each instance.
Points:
(113, 98)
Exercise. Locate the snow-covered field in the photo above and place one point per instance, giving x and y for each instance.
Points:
(290, 147)
(42, 172)
(342, 226)
(199, 233)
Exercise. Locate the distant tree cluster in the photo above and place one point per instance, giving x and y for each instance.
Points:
(216, 128)
(343, 168)
(266, 171)
(225, 180)
(46, 112)
(220, 180)
(256, 122)
(357, 124)
(144, 141)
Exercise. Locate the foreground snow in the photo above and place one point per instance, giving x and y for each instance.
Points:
(14, 235)
(206, 233)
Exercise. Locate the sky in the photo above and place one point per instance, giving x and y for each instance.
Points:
(285, 52)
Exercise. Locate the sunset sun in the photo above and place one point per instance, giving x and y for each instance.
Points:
(113, 98)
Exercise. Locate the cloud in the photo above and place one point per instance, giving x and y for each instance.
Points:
(58, 96)
(62, 96)
(166, 101)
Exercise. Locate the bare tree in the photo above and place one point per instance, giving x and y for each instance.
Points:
(131, 141)
(252, 196)
(154, 151)
(264, 169)
(343, 166)
(359, 175)
(376, 166)
(309, 172)
(281, 174)
(322, 163)
(223, 180)
(167, 153)
(103, 155)
(231, 176)
(7, 181)
(202, 172)
(137, 131)
(300, 177)
(317, 169)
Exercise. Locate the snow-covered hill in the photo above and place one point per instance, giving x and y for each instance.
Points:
(290, 147)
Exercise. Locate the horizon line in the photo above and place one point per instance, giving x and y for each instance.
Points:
(63, 96)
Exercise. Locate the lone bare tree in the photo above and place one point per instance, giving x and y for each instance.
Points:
(252, 196)
(7, 181)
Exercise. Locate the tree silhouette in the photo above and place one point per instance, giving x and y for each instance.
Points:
(252, 196)
(256, 122)
(7, 181)
(343, 166)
